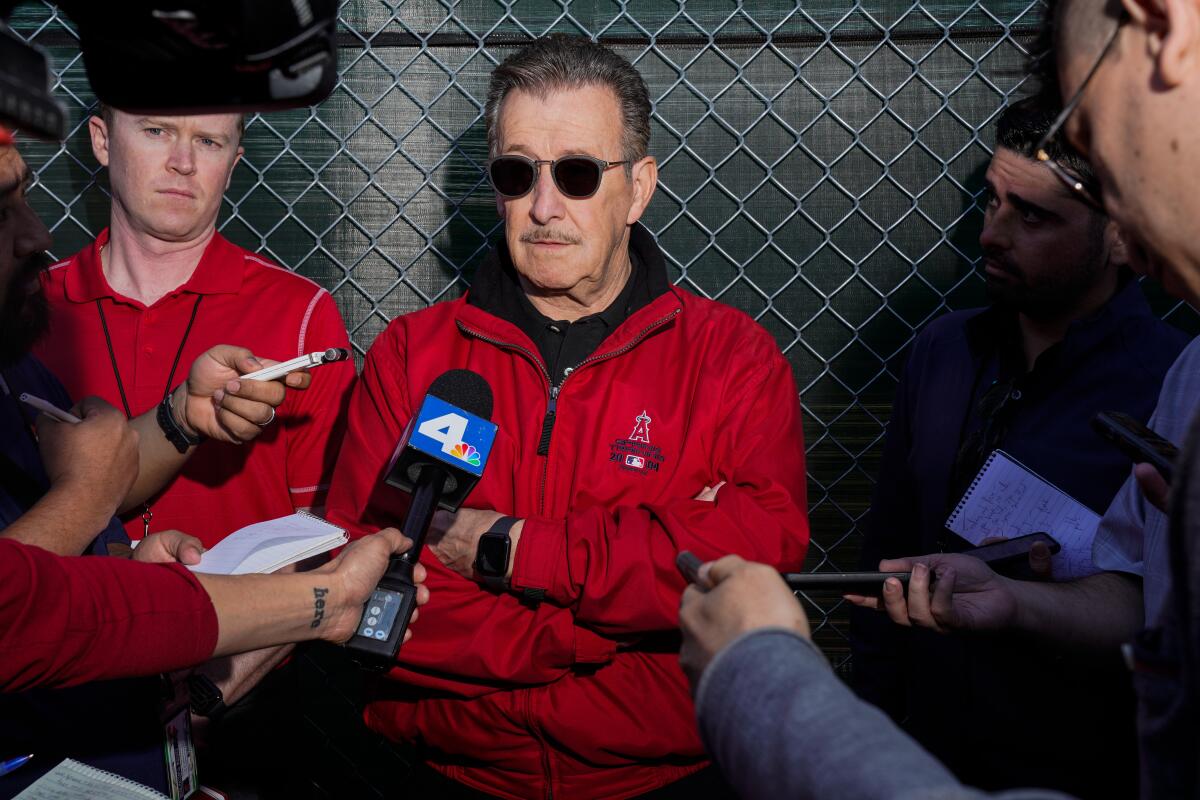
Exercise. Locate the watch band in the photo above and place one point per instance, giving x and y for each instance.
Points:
(500, 528)
(171, 428)
(205, 697)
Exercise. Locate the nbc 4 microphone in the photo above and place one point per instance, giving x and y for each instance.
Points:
(439, 460)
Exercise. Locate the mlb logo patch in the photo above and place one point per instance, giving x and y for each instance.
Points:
(637, 462)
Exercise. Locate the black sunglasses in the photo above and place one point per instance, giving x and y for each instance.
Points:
(577, 177)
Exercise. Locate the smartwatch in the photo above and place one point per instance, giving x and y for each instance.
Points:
(205, 696)
(493, 552)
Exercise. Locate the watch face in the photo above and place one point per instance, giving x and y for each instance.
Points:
(491, 560)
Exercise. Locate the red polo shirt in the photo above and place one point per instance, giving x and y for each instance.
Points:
(247, 301)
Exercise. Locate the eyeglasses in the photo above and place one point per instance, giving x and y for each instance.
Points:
(1039, 152)
(577, 177)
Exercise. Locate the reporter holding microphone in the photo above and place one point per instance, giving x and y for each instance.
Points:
(68, 621)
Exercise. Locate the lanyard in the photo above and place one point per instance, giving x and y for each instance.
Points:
(147, 514)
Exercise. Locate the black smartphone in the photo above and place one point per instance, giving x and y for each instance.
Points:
(1002, 556)
(1137, 441)
(864, 583)
(997, 553)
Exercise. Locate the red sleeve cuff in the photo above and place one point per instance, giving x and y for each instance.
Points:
(538, 563)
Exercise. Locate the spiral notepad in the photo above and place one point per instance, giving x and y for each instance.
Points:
(271, 545)
(70, 780)
(1008, 499)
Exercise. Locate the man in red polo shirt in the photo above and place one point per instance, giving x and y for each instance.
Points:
(159, 287)
(635, 420)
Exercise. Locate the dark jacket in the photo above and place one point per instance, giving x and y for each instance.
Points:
(1003, 712)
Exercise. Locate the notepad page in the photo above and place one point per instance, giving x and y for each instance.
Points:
(71, 780)
(267, 546)
(1007, 499)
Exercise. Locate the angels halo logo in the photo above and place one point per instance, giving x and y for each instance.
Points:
(635, 454)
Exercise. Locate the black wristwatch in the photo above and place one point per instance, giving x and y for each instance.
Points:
(493, 552)
(205, 697)
(171, 428)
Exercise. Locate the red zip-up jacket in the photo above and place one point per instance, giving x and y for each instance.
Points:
(580, 696)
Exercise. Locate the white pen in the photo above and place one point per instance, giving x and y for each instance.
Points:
(302, 362)
(49, 409)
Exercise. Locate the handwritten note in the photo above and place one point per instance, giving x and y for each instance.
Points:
(71, 780)
(1007, 499)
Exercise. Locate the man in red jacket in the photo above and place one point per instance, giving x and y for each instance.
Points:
(635, 420)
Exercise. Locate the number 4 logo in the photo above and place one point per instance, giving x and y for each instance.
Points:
(448, 430)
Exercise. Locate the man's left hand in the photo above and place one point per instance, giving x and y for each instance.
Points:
(216, 403)
(454, 538)
(734, 596)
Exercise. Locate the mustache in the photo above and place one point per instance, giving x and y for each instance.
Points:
(555, 235)
(999, 260)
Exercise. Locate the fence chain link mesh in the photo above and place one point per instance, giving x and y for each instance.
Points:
(820, 168)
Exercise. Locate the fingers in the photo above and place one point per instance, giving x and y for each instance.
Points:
(919, 610)
(1153, 485)
(169, 547)
(688, 606)
(722, 568)
(1040, 561)
(246, 418)
(298, 380)
(93, 406)
(894, 602)
(189, 550)
(942, 605)
(897, 564)
(397, 543)
(709, 493)
(862, 601)
(271, 393)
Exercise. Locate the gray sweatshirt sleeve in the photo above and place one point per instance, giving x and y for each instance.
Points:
(781, 725)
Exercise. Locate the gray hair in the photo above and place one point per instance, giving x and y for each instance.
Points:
(560, 61)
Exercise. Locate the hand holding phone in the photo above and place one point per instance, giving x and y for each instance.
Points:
(1135, 440)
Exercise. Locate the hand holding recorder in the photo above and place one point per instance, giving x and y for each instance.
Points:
(730, 597)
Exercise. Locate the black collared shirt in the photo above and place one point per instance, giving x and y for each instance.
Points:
(564, 345)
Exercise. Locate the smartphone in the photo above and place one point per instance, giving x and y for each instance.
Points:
(301, 362)
(847, 582)
(864, 583)
(1137, 441)
(1001, 556)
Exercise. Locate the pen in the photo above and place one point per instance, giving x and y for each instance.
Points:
(49, 410)
(14, 763)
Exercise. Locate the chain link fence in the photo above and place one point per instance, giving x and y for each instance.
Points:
(821, 169)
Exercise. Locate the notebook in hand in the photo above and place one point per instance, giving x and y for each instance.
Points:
(271, 545)
(1008, 499)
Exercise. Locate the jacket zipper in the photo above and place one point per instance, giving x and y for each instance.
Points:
(543, 448)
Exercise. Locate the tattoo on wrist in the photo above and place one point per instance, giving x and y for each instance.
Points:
(318, 607)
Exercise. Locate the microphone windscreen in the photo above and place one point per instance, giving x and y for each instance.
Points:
(466, 389)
